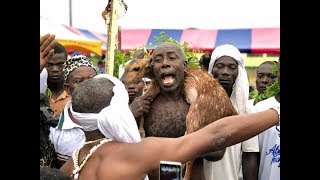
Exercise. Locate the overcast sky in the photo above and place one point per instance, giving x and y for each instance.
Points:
(168, 14)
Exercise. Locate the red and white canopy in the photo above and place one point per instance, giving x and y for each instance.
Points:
(255, 40)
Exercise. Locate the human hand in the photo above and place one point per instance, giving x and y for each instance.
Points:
(140, 105)
(46, 49)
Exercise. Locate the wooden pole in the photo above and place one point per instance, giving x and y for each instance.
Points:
(119, 38)
(111, 34)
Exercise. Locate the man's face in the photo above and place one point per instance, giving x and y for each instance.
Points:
(225, 70)
(169, 66)
(55, 68)
(265, 77)
(77, 76)
(135, 88)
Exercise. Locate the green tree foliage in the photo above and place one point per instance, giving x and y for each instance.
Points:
(120, 58)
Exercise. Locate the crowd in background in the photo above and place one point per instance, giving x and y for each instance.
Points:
(74, 92)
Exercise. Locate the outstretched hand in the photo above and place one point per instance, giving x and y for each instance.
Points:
(46, 49)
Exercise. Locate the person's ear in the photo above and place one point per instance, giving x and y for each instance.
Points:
(66, 87)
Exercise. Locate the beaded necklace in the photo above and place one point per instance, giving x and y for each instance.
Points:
(89, 142)
(83, 161)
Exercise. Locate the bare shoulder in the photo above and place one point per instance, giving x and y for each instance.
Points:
(67, 168)
(124, 160)
(142, 155)
(124, 151)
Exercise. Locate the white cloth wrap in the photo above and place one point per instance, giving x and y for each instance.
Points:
(43, 80)
(240, 92)
(115, 121)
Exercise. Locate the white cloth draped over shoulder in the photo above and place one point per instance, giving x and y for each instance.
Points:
(67, 136)
(43, 80)
(115, 121)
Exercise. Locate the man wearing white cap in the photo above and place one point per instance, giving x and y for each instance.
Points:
(240, 161)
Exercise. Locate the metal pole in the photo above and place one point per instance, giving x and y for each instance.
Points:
(112, 30)
(70, 13)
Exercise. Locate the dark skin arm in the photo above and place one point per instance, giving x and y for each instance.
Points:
(215, 156)
(250, 165)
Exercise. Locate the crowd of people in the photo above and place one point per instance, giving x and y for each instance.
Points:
(97, 116)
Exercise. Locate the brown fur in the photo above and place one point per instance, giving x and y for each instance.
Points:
(208, 99)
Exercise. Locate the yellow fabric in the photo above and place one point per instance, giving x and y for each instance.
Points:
(87, 46)
(82, 45)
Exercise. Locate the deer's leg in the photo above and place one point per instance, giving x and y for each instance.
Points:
(141, 127)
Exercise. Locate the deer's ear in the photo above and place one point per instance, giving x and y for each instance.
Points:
(151, 62)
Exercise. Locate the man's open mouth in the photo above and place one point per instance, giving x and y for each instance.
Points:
(167, 78)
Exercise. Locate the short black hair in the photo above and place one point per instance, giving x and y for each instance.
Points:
(47, 173)
(59, 48)
(101, 62)
(268, 62)
(92, 95)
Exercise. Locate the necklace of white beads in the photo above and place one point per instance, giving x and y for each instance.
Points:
(75, 156)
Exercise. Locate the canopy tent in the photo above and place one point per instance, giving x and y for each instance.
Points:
(254, 40)
(90, 35)
(257, 40)
(69, 39)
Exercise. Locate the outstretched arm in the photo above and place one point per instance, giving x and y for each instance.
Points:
(216, 136)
